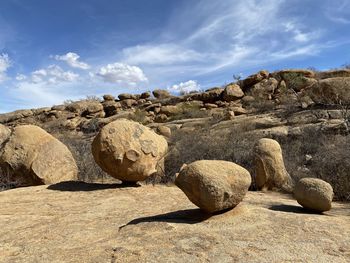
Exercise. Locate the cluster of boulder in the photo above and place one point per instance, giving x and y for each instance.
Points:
(131, 152)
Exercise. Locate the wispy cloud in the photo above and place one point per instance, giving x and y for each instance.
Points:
(5, 63)
(72, 59)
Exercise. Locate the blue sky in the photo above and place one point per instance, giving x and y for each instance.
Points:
(51, 51)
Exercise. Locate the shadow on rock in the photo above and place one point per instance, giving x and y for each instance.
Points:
(188, 216)
(82, 186)
(293, 209)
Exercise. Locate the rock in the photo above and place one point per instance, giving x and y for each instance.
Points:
(85, 107)
(128, 151)
(210, 106)
(111, 107)
(331, 91)
(161, 118)
(270, 172)
(248, 100)
(164, 130)
(4, 134)
(232, 92)
(344, 73)
(264, 89)
(126, 96)
(314, 194)
(253, 79)
(161, 94)
(145, 95)
(108, 97)
(16, 115)
(35, 157)
(298, 79)
(213, 185)
(128, 103)
(171, 110)
(209, 96)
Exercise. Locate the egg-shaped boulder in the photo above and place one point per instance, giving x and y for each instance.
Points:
(129, 151)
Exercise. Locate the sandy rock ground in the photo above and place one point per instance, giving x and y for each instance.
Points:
(79, 222)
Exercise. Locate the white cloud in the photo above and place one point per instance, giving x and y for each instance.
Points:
(162, 54)
(21, 77)
(72, 59)
(122, 73)
(5, 63)
(186, 87)
(53, 74)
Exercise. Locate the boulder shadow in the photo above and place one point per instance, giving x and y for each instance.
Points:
(293, 209)
(188, 216)
(76, 186)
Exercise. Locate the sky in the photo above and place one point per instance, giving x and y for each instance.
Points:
(52, 51)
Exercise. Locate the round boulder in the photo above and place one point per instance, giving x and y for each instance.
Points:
(214, 185)
(314, 194)
(35, 157)
(128, 151)
(270, 172)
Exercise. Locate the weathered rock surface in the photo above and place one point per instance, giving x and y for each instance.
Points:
(232, 92)
(270, 172)
(103, 223)
(128, 151)
(4, 134)
(214, 185)
(161, 94)
(314, 194)
(35, 157)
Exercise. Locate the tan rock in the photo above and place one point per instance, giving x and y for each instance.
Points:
(214, 185)
(209, 96)
(145, 95)
(16, 115)
(128, 103)
(108, 97)
(128, 151)
(111, 107)
(85, 107)
(264, 89)
(314, 194)
(170, 110)
(164, 130)
(270, 172)
(331, 91)
(127, 96)
(253, 79)
(161, 94)
(343, 73)
(4, 134)
(232, 92)
(298, 79)
(35, 157)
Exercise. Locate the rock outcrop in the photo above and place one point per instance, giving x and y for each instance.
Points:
(214, 185)
(32, 157)
(314, 194)
(128, 151)
(4, 134)
(270, 172)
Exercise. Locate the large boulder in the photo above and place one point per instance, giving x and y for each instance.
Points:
(270, 172)
(128, 151)
(209, 96)
(298, 79)
(214, 185)
(314, 194)
(34, 157)
(344, 73)
(15, 115)
(232, 92)
(4, 134)
(86, 108)
(161, 94)
(253, 79)
(331, 91)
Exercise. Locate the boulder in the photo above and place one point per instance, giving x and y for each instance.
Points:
(232, 92)
(253, 79)
(214, 185)
(264, 89)
(127, 96)
(145, 95)
(108, 97)
(344, 73)
(164, 130)
(128, 151)
(86, 107)
(35, 157)
(15, 115)
(331, 91)
(209, 96)
(161, 94)
(270, 172)
(128, 103)
(314, 194)
(298, 79)
(171, 110)
(4, 134)
(111, 107)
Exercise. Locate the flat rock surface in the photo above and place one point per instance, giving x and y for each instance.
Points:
(79, 222)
